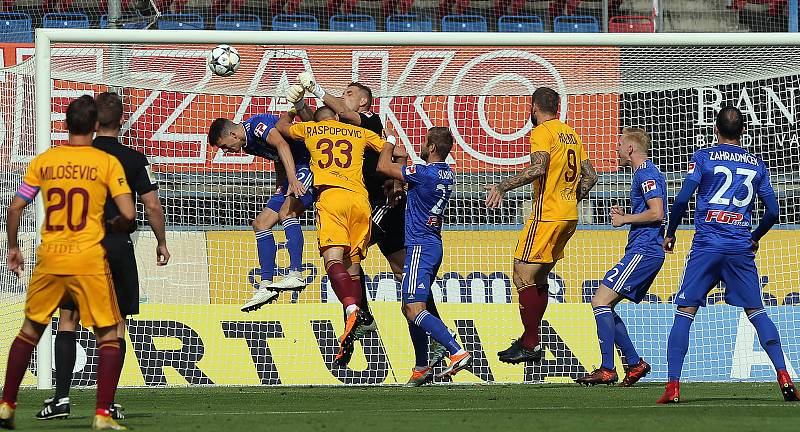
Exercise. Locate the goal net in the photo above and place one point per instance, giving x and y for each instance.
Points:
(190, 330)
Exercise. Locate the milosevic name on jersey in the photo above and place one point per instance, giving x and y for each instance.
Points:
(69, 171)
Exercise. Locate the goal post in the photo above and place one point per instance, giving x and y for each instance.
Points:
(191, 332)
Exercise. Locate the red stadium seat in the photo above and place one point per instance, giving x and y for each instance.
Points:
(458, 7)
(396, 7)
(631, 24)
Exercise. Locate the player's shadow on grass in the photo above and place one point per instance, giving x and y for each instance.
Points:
(731, 399)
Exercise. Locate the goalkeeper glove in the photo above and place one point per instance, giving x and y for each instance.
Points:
(294, 95)
(308, 82)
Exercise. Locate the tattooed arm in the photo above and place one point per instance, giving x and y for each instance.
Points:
(587, 181)
(540, 160)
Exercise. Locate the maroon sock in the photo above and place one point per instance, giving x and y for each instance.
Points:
(532, 304)
(108, 371)
(18, 358)
(341, 283)
(360, 292)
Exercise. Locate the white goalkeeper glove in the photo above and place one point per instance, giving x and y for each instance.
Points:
(294, 95)
(308, 82)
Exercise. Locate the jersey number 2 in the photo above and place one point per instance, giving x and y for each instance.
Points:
(59, 198)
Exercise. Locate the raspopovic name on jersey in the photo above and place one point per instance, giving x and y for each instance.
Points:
(256, 129)
(729, 180)
(648, 183)
(429, 189)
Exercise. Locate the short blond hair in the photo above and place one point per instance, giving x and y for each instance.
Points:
(640, 138)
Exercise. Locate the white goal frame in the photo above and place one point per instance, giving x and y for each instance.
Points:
(46, 37)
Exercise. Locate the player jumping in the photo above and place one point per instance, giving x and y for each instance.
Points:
(726, 178)
(257, 136)
(429, 188)
(635, 272)
(562, 176)
(386, 196)
(343, 212)
(75, 180)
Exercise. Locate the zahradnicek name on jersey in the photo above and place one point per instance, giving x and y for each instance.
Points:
(336, 131)
(733, 157)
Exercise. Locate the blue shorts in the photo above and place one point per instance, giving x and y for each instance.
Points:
(705, 270)
(306, 177)
(632, 276)
(422, 265)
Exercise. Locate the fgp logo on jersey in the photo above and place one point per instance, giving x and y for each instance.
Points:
(648, 186)
(724, 217)
(691, 168)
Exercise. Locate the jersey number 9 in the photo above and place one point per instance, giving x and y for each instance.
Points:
(572, 165)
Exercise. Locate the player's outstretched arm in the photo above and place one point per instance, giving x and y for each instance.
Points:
(155, 217)
(540, 160)
(654, 213)
(15, 260)
(678, 211)
(335, 103)
(386, 164)
(587, 181)
(275, 138)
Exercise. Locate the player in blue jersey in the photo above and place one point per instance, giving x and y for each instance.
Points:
(257, 136)
(429, 188)
(632, 276)
(727, 178)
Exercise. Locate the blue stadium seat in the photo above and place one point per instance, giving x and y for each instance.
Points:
(295, 22)
(237, 22)
(16, 27)
(127, 22)
(576, 24)
(181, 22)
(464, 23)
(361, 23)
(67, 20)
(520, 24)
(408, 23)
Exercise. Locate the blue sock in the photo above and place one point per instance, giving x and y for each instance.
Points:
(678, 344)
(436, 328)
(294, 242)
(624, 342)
(265, 243)
(769, 338)
(605, 334)
(420, 341)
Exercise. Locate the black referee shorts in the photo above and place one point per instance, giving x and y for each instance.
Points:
(122, 261)
(388, 227)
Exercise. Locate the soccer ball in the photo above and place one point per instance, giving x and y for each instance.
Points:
(223, 60)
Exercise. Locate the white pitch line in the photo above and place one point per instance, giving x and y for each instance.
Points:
(561, 408)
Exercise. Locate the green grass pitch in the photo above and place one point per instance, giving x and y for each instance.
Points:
(493, 408)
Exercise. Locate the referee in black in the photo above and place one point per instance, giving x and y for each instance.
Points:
(119, 252)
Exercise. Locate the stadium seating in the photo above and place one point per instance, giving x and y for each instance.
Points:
(464, 23)
(576, 24)
(631, 24)
(295, 22)
(181, 22)
(365, 23)
(138, 22)
(408, 23)
(74, 20)
(16, 27)
(520, 24)
(237, 22)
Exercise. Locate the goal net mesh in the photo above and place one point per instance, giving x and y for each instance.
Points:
(190, 330)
